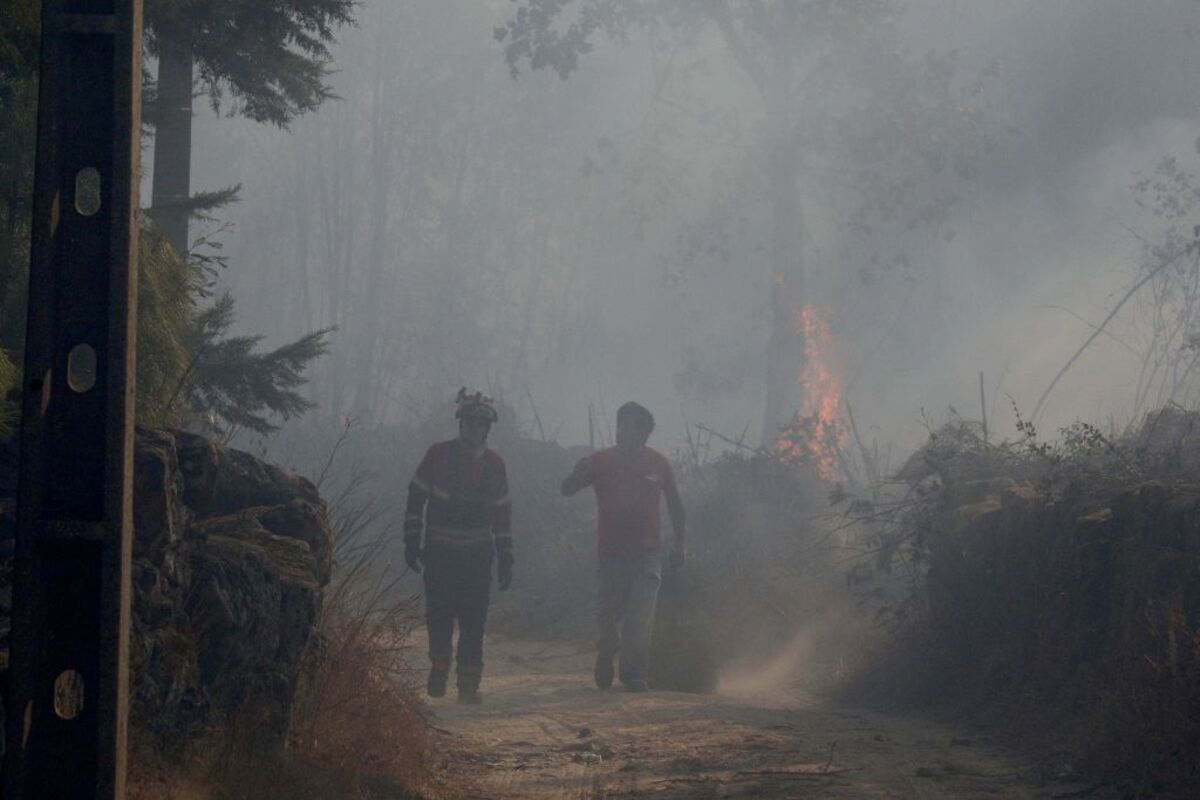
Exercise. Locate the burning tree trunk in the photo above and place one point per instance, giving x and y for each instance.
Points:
(802, 413)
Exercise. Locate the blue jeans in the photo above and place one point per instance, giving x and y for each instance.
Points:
(628, 594)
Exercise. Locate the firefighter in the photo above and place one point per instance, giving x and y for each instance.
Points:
(459, 500)
(629, 480)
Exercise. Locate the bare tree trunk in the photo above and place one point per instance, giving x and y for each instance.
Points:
(171, 189)
(303, 240)
(785, 348)
(339, 204)
(774, 76)
(372, 306)
(520, 376)
(454, 325)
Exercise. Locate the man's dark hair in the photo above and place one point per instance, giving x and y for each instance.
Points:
(638, 414)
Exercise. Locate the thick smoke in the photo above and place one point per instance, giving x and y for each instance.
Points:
(580, 242)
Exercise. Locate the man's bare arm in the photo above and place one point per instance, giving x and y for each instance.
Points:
(579, 479)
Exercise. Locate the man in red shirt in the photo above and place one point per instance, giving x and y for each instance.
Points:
(629, 481)
(459, 499)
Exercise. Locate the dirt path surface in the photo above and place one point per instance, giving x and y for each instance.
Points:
(545, 731)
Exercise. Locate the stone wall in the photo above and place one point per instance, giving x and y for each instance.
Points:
(230, 557)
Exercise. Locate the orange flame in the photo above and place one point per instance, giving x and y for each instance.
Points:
(816, 432)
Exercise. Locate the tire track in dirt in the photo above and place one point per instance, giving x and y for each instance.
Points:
(545, 732)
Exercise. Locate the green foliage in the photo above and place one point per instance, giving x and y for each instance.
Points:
(188, 372)
(167, 284)
(10, 376)
(531, 34)
(905, 522)
(230, 381)
(201, 204)
(555, 33)
(271, 58)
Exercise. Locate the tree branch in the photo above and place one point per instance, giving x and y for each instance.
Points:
(1166, 262)
(719, 12)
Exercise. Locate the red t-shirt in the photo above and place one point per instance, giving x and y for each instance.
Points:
(628, 497)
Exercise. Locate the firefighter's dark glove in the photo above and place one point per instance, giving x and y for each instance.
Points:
(412, 555)
(504, 572)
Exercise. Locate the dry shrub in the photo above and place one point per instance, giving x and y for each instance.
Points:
(358, 718)
(1058, 597)
(358, 727)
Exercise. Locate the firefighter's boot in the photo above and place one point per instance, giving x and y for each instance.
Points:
(436, 685)
(468, 684)
(603, 672)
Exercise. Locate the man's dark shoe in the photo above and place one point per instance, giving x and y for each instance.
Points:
(604, 670)
(436, 685)
(637, 686)
(469, 697)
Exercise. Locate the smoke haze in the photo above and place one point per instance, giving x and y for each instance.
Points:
(582, 242)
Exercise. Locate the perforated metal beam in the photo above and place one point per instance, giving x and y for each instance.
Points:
(67, 704)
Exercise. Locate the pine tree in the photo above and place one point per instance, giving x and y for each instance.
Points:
(237, 386)
(190, 371)
(268, 60)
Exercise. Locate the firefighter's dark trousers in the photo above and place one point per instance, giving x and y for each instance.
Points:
(457, 586)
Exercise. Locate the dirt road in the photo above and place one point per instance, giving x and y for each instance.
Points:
(545, 731)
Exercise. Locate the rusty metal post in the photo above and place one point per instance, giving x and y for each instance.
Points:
(67, 704)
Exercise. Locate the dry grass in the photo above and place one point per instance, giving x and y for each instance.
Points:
(358, 720)
(358, 727)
